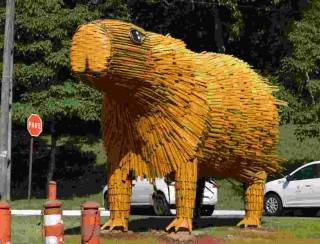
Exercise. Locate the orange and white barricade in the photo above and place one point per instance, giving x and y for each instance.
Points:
(5, 223)
(52, 223)
(52, 190)
(90, 223)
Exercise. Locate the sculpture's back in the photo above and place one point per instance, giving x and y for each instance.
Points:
(243, 131)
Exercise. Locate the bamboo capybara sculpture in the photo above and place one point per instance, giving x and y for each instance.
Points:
(168, 110)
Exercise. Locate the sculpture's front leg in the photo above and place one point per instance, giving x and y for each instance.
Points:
(186, 178)
(119, 192)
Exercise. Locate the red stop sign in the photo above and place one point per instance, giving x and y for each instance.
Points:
(34, 125)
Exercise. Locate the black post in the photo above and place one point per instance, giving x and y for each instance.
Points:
(6, 78)
(30, 168)
(52, 164)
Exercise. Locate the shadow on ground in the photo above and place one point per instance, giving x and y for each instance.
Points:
(145, 224)
(143, 220)
(160, 223)
(72, 231)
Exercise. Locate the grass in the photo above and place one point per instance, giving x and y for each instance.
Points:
(230, 193)
(147, 240)
(68, 204)
(27, 230)
(89, 143)
(228, 198)
(297, 151)
(301, 228)
(273, 230)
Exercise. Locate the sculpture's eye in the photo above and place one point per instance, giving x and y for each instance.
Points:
(136, 36)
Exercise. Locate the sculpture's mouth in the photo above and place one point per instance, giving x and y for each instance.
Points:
(90, 51)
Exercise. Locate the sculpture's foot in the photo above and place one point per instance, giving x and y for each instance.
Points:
(116, 222)
(180, 223)
(249, 221)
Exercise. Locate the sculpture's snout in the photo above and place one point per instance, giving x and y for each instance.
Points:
(90, 50)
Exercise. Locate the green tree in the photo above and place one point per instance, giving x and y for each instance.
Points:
(300, 71)
(251, 30)
(43, 32)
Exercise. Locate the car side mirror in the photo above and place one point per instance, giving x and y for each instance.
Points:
(289, 177)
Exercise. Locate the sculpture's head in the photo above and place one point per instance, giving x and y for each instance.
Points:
(107, 50)
(112, 55)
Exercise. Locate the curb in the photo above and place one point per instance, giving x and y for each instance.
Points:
(30, 212)
(105, 213)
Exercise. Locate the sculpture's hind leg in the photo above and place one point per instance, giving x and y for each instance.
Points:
(119, 192)
(186, 178)
(254, 201)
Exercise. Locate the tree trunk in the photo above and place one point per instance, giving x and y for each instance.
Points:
(218, 37)
(52, 163)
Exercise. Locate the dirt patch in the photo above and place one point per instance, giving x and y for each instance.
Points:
(185, 237)
(173, 237)
(162, 237)
(115, 234)
(270, 234)
(234, 236)
(257, 236)
(204, 239)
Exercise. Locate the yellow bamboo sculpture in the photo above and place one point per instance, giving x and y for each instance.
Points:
(170, 110)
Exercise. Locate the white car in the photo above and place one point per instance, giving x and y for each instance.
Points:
(300, 189)
(161, 196)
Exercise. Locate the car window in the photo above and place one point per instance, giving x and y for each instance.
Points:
(304, 173)
(316, 170)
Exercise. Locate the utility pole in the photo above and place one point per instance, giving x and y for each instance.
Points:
(5, 90)
(8, 184)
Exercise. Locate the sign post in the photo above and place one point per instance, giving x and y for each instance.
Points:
(34, 126)
(30, 167)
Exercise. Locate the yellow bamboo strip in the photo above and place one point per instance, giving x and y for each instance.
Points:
(166, 108)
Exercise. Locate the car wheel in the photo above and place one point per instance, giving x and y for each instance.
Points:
(207, 210)
(310, 212)
(273, 205)
(105, 202)
(160, 205)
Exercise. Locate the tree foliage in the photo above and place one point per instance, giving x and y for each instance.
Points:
(43, 32)
(278, 37)
(300, 71)
(251, 30)
(60, 101)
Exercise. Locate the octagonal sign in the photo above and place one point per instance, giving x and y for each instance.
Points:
(34, 125)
